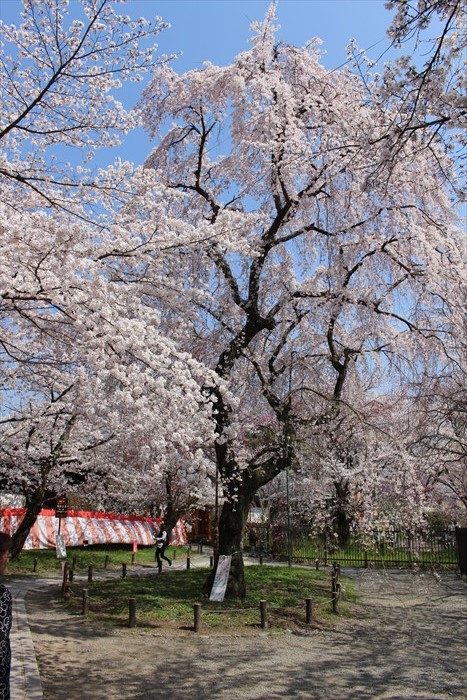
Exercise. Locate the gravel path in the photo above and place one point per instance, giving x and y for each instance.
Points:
(407, 640)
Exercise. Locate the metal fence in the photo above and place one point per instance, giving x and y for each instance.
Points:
(390, 548)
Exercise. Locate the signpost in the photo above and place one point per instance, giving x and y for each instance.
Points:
(60, 547)
(221, 578)
(61, 511)
(61, 507)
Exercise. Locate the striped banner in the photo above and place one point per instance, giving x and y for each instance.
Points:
(81, 526)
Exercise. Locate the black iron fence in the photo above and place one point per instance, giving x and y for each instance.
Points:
(379, 548)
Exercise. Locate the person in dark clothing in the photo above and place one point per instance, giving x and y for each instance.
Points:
(5, 620)
(161, 546)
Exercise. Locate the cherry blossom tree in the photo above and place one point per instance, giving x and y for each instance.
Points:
(85, 368)
(286, 250)
(359, 473)
(59, 78)
(437, 435)
(422, 92)
(106, 381)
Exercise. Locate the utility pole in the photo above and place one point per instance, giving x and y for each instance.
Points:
(287, 466)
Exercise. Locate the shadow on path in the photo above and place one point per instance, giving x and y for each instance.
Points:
(407, 641)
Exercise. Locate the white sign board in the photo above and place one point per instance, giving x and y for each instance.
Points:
(60, 547)
(221, 578)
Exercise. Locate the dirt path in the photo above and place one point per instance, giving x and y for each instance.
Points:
(408, 640)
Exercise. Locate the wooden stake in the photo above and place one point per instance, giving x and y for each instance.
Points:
(263, 609)
(197, 617)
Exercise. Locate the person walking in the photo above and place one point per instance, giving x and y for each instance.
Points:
(5, 620)
(161, 546)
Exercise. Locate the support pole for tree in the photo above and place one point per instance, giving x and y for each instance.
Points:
(123, 570)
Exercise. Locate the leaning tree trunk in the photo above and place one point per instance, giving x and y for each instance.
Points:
(34, 504)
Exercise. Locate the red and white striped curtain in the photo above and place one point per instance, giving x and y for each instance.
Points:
(88, 527)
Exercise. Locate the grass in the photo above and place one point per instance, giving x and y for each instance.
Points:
(167, 600)
(48, 564)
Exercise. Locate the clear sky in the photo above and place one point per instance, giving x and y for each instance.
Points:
(216, 30)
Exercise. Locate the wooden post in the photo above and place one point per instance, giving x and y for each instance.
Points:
(73, 562)
(334, 592)
(132, 612)
(34, 564)
(133, 558)
(188, 560)
(263, 609)
(123, 570)
(174, 554)
(85, 602)
(308, 611)
(65, 577)
(70, 575)
(317, 564)
(159, 567)
(261, 560)
(197, 617)
(90, 573)
(106, 561)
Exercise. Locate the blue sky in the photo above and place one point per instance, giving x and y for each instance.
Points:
(216, 30)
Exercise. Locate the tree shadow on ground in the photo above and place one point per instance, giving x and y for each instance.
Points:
(403, 650)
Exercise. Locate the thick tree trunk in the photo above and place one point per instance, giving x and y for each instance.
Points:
(231, 528)
(342, 525)
(33, 507)
(170, 520)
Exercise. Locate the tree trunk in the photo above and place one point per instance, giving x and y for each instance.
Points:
(342, 525)
(231, 528)
(171, 518)
(33, 507)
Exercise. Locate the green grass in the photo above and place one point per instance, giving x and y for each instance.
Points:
(168, 600)
(48, 564)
